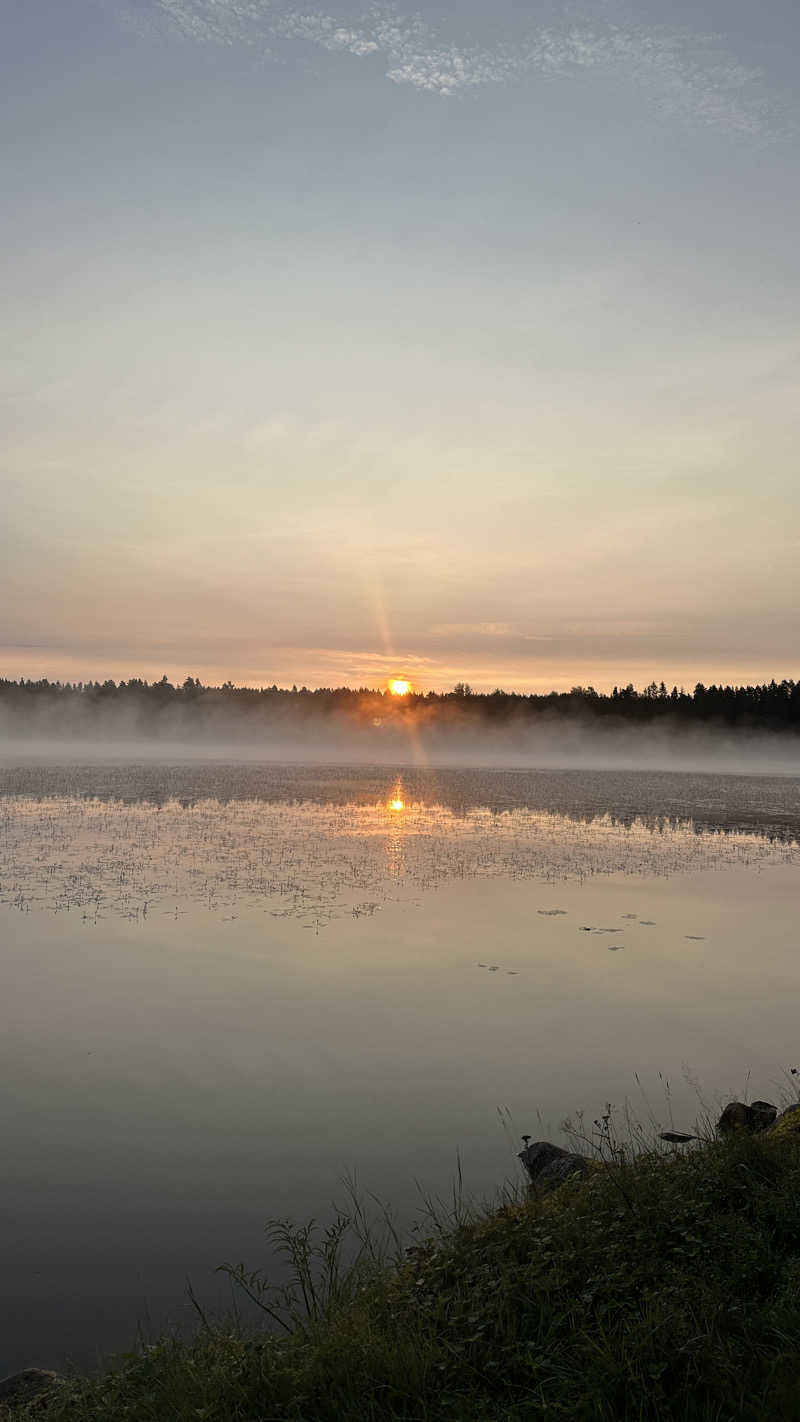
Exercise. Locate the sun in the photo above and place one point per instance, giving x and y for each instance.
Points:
(399, 686)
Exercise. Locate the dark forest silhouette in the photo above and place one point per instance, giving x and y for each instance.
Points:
(768, 706)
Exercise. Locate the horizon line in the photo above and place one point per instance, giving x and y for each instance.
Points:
(461, 689)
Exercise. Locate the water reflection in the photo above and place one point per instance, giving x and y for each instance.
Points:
(762, 804)
(318, 846)
(221, 983)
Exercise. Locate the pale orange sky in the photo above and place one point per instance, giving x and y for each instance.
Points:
(458, 344)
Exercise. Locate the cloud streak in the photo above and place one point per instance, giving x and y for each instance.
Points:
(686, 76)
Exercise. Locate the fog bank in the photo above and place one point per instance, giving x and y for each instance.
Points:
(417, 737)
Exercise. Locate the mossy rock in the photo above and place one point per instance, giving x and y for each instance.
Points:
(788, 1123)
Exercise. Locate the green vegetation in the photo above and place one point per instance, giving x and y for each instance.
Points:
(666, 1286)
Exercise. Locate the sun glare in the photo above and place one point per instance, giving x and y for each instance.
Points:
(397, 804)
(399, 687)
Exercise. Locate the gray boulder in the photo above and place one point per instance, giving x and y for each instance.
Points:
(548, 1165)
(739, 1117)
(560, 1170)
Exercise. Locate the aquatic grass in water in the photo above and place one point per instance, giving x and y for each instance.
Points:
(317, 862)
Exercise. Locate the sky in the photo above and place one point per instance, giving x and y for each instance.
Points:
(458, 342)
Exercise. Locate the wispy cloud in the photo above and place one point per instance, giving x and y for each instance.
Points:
(687, 76)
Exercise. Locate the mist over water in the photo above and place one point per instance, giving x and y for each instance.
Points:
(548, 744)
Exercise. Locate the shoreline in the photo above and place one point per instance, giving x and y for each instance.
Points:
(630, 1286)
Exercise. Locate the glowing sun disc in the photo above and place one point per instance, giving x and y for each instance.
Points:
(397, 805)
(399, 687)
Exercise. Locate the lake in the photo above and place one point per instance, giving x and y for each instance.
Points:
(229, 987)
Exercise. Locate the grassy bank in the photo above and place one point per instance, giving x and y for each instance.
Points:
(662, 1287)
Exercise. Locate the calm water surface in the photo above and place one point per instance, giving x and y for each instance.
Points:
(227, 987)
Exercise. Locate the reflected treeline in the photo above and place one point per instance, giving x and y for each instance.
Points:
(149, 707)
(768, 806)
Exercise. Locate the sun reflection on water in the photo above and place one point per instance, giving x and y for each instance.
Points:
(320, 860)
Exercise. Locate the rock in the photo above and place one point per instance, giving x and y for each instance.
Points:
(535, 1157)
(788, 1123)
(548, 1165)
(739, 1117)
(735, 1117)
(560, 1170)
(764, 1114)
(19, 1388)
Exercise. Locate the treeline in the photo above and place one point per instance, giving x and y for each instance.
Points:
(773, 705)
